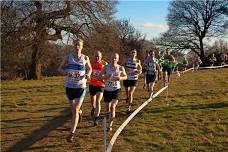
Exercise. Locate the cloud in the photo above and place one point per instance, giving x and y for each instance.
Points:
(155, 26)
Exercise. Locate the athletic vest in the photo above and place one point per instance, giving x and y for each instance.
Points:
(131, 67)
(78, 68)
(223, 56)
(96, 73)
(151, 66)
(111, 84)
(166, 62)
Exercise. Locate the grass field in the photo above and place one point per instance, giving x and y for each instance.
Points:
(193, 118)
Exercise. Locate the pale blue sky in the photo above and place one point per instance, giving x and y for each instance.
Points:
(148, 16)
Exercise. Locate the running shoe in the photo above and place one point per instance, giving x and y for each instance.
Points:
(95, 123)
(70, 137)
(165, 83)
(109, 129)
(127, 100)
(92, 111)
(128, 111)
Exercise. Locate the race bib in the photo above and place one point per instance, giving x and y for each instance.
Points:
(96, 74)
(75, 76)
(112, 84)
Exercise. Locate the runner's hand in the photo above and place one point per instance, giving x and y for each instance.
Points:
(87, 76)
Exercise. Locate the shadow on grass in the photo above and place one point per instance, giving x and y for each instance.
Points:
(189, 107)
(41, 133)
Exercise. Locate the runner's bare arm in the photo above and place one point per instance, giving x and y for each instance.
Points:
(123, 74)
(102, 76)
(139, 68)
(145, 65)
(103, 73)
(88, 66)
(173, 59)
(159, 69)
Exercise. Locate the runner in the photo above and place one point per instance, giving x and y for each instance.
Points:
(152, 67)
(133, 69)
(113, 73)
(197, 63)
(96, 86)
(74, 67)
(158, 57)
(212, 59)
(185, 63)
(144, 71)
(223, 57)
(167, 66)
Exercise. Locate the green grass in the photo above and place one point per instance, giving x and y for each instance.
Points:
(35, 116)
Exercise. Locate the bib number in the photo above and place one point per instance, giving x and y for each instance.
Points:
(96, 75)
(112, 84)
(75, 76)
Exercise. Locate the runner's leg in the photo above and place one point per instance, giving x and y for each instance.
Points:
(127, 94)
(112, 112)
(131, 91)
(93, 104)
(99, 96)
(76, 109)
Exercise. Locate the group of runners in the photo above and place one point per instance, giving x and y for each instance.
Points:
(104, 80)
(212, 60)
(223, 58)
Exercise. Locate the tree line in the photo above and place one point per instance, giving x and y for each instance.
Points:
(37, 34)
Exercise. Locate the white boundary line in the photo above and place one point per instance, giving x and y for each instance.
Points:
(208, 67)
(118, 131)
(213, 67)
(187, 70)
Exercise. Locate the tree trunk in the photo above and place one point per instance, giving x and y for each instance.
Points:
(202, 55)
(35, 66)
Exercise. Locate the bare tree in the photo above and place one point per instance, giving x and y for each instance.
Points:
(129, 37)
(39, 21)
(192, 22)
(104, 38)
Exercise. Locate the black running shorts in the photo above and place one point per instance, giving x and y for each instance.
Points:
(93, 90)
(150, 78)
(109, 95)
(130, 83)
(168, 70)
(75, 93)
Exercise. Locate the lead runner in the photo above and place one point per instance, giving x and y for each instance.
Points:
(74, 67)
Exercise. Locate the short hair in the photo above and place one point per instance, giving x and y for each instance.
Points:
(115, 53)
(78, 40)
(97, 51)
